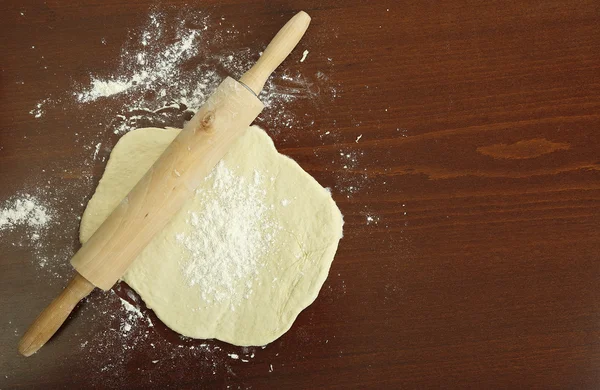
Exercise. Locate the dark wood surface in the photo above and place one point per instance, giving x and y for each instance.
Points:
(471, 249)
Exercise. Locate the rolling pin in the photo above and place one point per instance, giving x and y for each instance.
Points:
(167, 185)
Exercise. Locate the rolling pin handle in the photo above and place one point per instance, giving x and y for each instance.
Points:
(50, 320)
(280, 47)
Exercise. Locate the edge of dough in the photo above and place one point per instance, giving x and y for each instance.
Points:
(328, 252)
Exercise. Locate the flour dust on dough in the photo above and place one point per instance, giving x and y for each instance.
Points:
(242, 258)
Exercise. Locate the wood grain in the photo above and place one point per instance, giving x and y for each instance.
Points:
(470, 255)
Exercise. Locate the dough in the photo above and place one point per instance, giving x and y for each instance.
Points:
(243, 257)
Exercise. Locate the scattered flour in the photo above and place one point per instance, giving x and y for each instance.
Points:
(228, 239)
(177, 61)
(125, 327)
(304, 55)
(24, 210)
(97, 149)
(150, 69)
(131, 310)
(372, 219)
(109, 332)
(353, 177)
(101, 88)
(38, 111)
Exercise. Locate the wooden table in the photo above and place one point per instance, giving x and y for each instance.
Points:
(471, 195)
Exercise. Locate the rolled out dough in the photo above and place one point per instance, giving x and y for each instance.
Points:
(251, 303)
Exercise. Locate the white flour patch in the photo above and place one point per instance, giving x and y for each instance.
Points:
(24, 210)
(132, 311)
(96, 150)
(30, 220)
(304, 55)
(228, 239)
(104, 88)
(38, 111)
(372, 219)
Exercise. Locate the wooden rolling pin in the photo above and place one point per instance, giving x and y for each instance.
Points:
(172, 180)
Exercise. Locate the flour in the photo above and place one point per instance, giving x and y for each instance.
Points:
(101, 88)
(38, 111)
(178, 59)
(109, 331)
(25, 210)
(304, 55)
(97, 149)
(31, 216)
(227, 240)
(151, 68)
(131, 310)
(125, 327)
(354, 177)
(372, 219)
(132, 317)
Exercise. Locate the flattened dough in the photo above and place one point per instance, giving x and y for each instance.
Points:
(285, 279)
